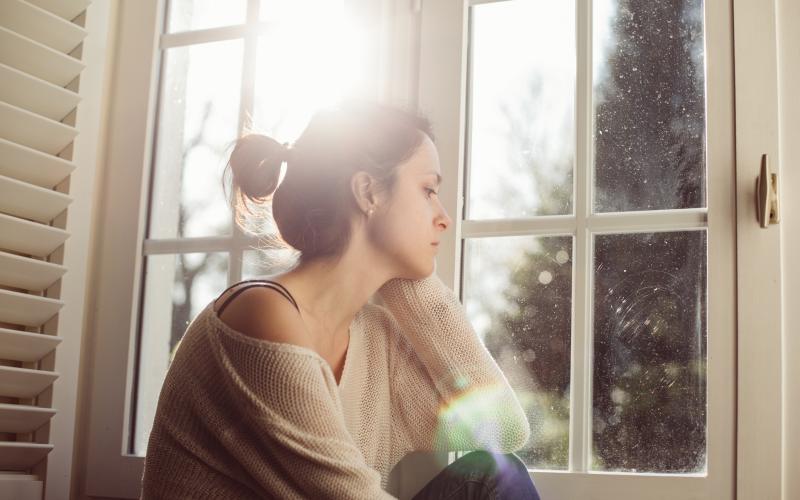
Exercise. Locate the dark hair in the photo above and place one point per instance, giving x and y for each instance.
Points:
(313, 204)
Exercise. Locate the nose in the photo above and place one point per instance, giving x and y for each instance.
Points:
(444, 220)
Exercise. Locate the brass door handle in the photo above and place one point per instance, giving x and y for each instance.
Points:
(767, 206)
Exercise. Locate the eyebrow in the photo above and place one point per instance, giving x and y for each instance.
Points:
(438, 177)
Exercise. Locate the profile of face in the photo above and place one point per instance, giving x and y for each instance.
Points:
(408, 227)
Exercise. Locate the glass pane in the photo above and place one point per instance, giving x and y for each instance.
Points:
(197, 122)
(649, 391)
(188, 15)
(294, 10)
(305, 63)
(649, 98)
(176, 289)
(264, 263)
(518, 296)
(521, 102)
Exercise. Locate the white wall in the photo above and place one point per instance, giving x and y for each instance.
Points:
(789, 83)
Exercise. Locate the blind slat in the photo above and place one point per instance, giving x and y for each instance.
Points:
(34, 131)
(23, 418)
(28, 165)
(35, 95)
(37, 59)
(66, 9)
(20, 456)
(40, 25)
(27, 309)
(20, 486)
(24, 383)
(30, 238)
(25, 346)
(17, 271)
(31, 202)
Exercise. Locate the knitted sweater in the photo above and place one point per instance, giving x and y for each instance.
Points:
(239, 417)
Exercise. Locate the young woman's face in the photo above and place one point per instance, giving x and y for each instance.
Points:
(409, 229)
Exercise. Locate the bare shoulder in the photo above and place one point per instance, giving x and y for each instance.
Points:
(265, 314)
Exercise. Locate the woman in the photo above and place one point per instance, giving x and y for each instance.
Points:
(297, 386)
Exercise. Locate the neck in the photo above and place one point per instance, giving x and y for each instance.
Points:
(330, 292)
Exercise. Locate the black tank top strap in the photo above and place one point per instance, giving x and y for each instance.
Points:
(257, 283)
(239, 283)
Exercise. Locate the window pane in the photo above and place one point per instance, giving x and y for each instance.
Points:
(649, 391)
(197, 122)
(521, 102)
(649, 97)
(187, 15)
(305, 63)
(518, 296)
(177, 288)
(295, 10)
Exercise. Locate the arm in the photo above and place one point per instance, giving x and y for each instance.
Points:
(448, 390)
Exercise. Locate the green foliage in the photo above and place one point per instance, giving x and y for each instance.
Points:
(649, 289)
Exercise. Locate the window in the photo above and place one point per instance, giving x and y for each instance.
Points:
(750, 255)
(226, 69)
(585, 231)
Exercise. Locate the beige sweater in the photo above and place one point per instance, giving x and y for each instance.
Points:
(239, 417)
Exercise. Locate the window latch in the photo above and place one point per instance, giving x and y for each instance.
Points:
(767, 205)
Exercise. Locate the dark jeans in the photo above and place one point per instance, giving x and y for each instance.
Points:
(481, 475)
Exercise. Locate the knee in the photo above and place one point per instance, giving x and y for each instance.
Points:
(505, 473)
(492, 463)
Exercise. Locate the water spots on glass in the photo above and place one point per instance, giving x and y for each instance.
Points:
(529, 355)
(649, 378)
(619, 396)
(649, 94)
(562, 257)
(545, 277)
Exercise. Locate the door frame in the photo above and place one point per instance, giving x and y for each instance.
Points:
(759, 364)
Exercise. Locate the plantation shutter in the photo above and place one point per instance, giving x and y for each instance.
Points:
(40, 68)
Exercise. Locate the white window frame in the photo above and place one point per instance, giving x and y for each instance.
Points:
(443, 67)
(113, 302)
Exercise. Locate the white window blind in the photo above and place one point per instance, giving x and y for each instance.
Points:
(40, 68)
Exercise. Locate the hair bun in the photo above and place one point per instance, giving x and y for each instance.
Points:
(256, 165)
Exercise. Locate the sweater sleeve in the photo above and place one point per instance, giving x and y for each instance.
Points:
(275, 412)
(448, 391)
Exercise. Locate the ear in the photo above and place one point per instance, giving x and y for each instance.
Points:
(364, 188)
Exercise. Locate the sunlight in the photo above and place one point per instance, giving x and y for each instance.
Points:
(305, 63)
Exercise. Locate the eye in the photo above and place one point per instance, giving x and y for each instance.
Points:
(430, 191)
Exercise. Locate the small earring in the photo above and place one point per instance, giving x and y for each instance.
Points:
(369, 212)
